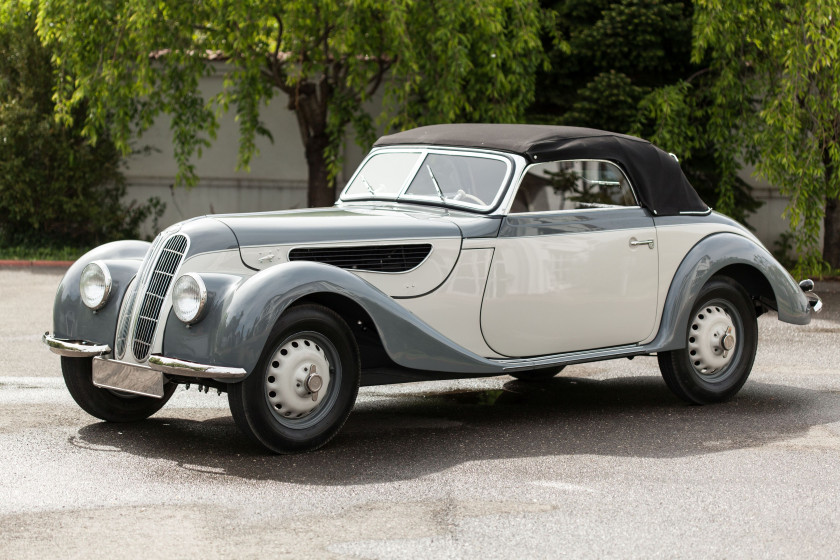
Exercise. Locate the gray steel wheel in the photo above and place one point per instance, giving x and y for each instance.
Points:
(305, 384)
(713, 340)
(721, 342)
(300, 379)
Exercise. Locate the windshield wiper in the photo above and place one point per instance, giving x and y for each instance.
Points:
(369, 188)
(435, 183)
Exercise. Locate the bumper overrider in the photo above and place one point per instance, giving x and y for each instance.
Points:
(814, 300)
(142, 379)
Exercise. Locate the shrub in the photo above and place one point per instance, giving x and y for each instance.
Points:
(56, 187)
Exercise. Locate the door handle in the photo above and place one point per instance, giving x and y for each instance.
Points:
(635, 243)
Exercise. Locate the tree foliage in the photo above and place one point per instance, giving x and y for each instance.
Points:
(609, 73)
(769, 92)
(56, 189)
(460, 60)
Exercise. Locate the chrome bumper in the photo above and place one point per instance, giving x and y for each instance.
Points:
(813, 299)
(170, 366)
(174, 366)
(74, 348)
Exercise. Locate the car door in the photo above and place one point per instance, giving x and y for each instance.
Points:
(575, 266)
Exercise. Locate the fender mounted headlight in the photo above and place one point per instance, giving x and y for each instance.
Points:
(189, 295)
(95, 285)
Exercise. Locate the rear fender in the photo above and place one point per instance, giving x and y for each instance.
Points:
(709, 257)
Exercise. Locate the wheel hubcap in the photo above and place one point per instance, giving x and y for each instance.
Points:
(298, 378)
(712, 340)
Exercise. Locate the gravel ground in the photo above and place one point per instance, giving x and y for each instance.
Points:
(600, 462)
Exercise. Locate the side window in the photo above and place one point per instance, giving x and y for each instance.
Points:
(572, 185)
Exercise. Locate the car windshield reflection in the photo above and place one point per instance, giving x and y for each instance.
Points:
(462, 180)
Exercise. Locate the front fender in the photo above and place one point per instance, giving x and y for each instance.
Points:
(236, 332)
(711, 255)
(72, 320)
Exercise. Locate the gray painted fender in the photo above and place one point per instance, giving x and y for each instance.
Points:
(242, 325)
(704, 260)
(71, 318)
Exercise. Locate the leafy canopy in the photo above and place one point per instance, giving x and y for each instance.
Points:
(56, 189)
(130, 60)
(769, 92)
(615, 57)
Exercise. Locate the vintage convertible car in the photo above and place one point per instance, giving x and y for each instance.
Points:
(454, 251)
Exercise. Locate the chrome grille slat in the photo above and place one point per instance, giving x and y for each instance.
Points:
(157, 280)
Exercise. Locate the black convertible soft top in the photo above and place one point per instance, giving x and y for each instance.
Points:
(660, 184)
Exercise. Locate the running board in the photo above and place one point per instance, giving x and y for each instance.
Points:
(517, 364)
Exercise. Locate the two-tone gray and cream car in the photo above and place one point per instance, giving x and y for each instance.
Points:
(454, 251)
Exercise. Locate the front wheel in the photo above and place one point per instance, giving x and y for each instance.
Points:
(105, 404)
(305, 384)
(721, 341)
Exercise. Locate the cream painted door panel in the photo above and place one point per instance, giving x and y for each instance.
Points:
(571, 281)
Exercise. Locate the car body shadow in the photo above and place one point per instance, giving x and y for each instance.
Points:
(407, 436)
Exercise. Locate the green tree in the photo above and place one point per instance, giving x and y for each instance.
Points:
(56, 189)
(615, 55)
(769, 92)
(460, 60)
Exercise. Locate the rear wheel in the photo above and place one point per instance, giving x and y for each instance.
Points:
(105, 404)
(721, 342)
(305, 384)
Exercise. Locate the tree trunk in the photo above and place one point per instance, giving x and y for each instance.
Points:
(831, 240)
(320, 192)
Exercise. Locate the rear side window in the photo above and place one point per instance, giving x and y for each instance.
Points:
(573, 185)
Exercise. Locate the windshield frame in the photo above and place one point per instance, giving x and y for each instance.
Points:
(423, 152)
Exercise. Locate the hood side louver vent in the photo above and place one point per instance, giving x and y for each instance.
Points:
(367, 258)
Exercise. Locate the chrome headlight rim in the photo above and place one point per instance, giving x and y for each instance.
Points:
(202, 299)
(107, 284)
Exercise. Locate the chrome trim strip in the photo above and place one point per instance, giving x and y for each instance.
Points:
(74, 348)
(174, 366)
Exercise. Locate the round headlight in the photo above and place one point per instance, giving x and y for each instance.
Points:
(188, 297)
(95, 285)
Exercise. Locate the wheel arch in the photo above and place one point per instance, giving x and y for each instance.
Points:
(368, 340)
(735, 257)
(754, 282)
(253, 306)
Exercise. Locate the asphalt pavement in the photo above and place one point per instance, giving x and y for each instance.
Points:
(600, 462)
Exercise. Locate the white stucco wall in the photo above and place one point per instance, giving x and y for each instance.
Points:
(769, 221)
(276, 180)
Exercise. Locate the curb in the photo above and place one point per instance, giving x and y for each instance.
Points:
(18, 265)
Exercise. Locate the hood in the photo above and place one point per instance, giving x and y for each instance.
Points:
(326, 225)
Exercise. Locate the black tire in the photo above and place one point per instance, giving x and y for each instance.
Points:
(273, 405)
(705, 372)
(536, 374)
(105, 404)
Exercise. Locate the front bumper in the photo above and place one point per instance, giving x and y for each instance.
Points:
(174, 366)
(74, 348)
(162, 364)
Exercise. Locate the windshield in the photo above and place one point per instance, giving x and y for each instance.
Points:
(450, 178)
